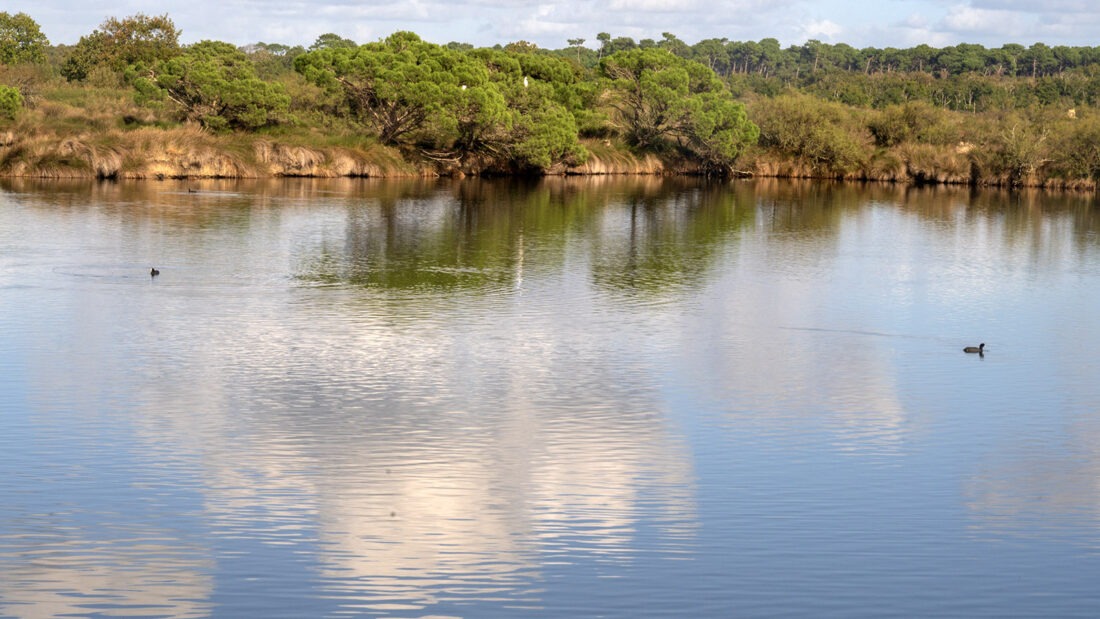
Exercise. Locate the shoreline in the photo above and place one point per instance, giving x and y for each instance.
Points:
(191, 154)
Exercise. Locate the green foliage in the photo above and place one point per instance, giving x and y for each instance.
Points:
(648, 88)
(717, 129)
(513, 106)
(399, 86)
(819, 132)
(1077, 143)
(571, 86)
(21, 39)
(11, 102)
(89, 53)
(673, 45)
(1018, 149)
(959, 113)
(545, 136)
(215, 84)
(118, 44)
(837, 86)
(713, 53)
(521, 47)
(916, 121)
(661, 99)
(476, 118)
(273, 60)
(332, 41)
(541, 95)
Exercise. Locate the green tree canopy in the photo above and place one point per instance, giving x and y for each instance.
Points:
(661, 99)
(540, 92)
(21, 39)
(510, 107)
(121, 43)
(713, 53)
(398, 86)
(331, 41)
(215, 83)
(671, 43)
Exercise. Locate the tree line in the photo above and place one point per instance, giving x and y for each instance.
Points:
(955, 113)
(768, 57)
(510, 108)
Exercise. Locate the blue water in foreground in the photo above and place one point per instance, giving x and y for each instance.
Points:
(572, 398)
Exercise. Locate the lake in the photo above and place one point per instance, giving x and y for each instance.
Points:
(575, 397)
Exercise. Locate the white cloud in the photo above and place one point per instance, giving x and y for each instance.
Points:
(998, 22)
(1031, 6)
(969, 19)
(916, 21)
(823, 30)
(654, 6)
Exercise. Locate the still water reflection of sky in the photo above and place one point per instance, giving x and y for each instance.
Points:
(613, 397)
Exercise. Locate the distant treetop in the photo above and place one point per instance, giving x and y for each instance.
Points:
(21, 39)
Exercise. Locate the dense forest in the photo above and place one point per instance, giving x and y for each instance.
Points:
(128, 100)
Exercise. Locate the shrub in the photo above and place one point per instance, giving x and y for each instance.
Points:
(916, 121)
(822, 133)
(1076, 144)
(11, 102)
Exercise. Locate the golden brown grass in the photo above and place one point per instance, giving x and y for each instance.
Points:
(183, 152)
(613, 157)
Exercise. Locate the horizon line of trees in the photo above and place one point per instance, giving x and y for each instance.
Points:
(767, 57)
(21, 39)
(521, 107)
(963, 77)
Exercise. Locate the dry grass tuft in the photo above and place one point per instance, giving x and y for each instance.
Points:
(607, 157)
(936, 164)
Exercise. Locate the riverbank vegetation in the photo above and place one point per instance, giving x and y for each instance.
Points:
(128, 100)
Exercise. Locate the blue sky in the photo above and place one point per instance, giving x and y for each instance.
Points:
(861, 23)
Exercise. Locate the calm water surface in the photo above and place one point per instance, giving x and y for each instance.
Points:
(574, 398)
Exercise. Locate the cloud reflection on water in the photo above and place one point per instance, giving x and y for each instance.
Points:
(410, 394)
